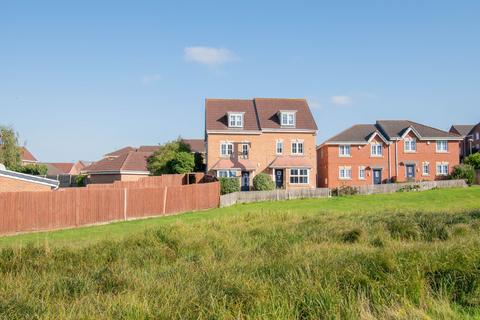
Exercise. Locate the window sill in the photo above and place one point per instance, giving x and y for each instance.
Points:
(340, 156)
(371, 156)
(298, 154)
(445, 152)
(345, 178)
(405, 151)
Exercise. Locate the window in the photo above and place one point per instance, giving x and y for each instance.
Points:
(287, 118)
(344, 151)
(361, 173)
(477, 135)
(297, 147)
(442, 146)
(226, 149)
(299, 176)
(345, 173)
(425, 169)
(376, 150)
(442, 169)
(244, 151)
(235, 120)
(279, 147)
(226, 173)
(410, 145)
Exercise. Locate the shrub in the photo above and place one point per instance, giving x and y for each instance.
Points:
(263, 182)
(409, 188)
(344, 191)
(81, 180)
(464, 172)
(229, 185)
(473, 160)
(33, 169)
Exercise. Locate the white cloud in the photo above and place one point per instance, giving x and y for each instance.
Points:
(341, 100)
(151, 78)
(208, 55)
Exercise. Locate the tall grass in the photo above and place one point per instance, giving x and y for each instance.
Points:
(264, 264)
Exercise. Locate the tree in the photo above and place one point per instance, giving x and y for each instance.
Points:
(464, 172)
(473, 160)
(199, 162)
(33, 169)
(10, 154)
(172, 157)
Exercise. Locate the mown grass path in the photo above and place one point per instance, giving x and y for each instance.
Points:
(396, 256)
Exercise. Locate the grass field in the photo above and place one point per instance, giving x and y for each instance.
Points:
(396, 256)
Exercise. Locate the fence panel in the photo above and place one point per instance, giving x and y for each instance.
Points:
(145, 202)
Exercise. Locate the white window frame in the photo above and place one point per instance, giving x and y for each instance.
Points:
(244, 152)
(344, 147)
(279, 146)
(440, 168)
(301, 174)
(440, 143)
(287, 118)
(374, 150)
(427, 166)
(296, 150)
(228, 147)
(411, 142)
(360, 170)
(226, 173)
(237, 118)
(342, 173)
(477, 135)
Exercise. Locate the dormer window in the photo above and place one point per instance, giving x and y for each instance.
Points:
(235, 119)
(287, 118)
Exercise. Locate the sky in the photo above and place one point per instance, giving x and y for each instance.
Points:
(79, 79)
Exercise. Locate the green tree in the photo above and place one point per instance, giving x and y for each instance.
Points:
(171, 157)
(33, 168)
(199, 162)
(10, 154)
(473, 160)
(464, 172)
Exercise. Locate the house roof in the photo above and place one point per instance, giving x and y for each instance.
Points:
(148, 148)
(28, 177)
(55, 168)
(290, 162)
(196, 145)
(26, 155)
(243, 164)
(390, 129)
(126, 162)
(118, 152)
(259, 113)
(462, 129)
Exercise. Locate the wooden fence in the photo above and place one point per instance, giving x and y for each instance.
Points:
(73, 207)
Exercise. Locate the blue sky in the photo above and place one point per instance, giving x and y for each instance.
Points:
(78, 80)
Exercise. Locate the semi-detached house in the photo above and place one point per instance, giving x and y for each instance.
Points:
(245, 137)
(387, 151)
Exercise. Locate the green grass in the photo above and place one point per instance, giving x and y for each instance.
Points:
(397, 256)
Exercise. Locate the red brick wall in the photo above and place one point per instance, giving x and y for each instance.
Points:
(11, 185)
(329, 162)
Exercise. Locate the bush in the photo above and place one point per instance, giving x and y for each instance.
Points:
(344, 191)
(473, 160)
(263, 182)
(409, 188)
(33, 169)
(464, 172)
(81, 180)
(229, 185)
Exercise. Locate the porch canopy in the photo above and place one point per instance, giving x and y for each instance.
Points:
(234, 164)
(282, 162)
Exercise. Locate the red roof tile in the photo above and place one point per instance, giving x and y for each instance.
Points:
(27, 155)
(243, 164)
(217, 109)
(121, 151)
(290, 162)
(196, 145)
(268, 109)
(130, 161)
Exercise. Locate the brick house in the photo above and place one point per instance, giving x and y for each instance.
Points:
(387, 151)
(245, 137)
(11, 181)
(470, 135)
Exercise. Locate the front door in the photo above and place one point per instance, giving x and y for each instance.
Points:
(410, 171)
(245, 180)
(377, 176)
(279, 178)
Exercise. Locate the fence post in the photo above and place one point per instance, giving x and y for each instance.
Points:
(165, 200)
(125, 195)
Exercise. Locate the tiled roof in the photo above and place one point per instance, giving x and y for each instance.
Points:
(389, 129)
(148, 148)
(243, 164)
(196, 145)
(462, 129)
(130, 161)
(118, 152)
(26, 155)
(259, 113)
(55, 168)
(290, 162)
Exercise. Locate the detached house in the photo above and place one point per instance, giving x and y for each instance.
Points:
(470, 135)
(387, 151)
(273, 136)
